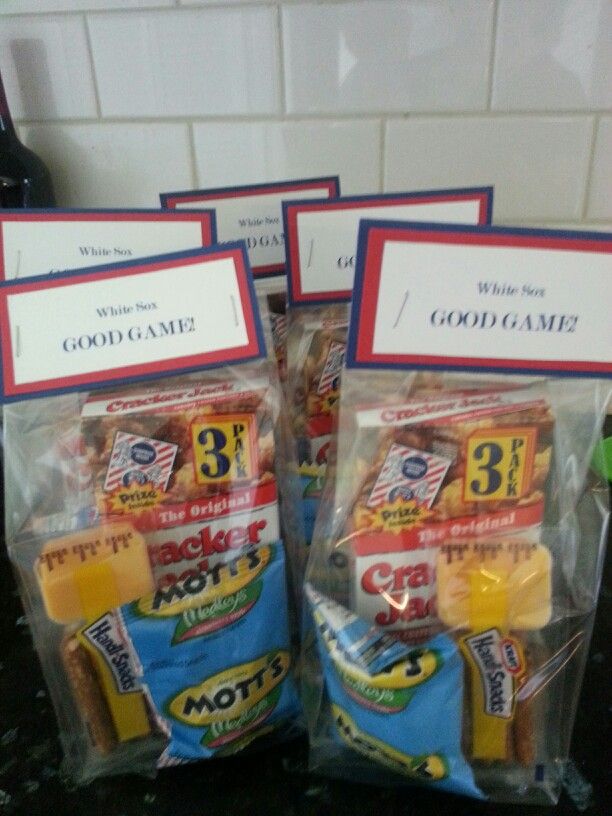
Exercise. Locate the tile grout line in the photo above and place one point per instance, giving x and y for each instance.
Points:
(219, 5)
(494, 24)
(323, 116)
(548, 222)
(383, 153)
(173, 6)
(94, 76)
(588, 180)
(192, 154)
(280, 60)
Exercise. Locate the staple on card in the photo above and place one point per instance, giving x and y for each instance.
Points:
(404, 302)
(310, 251)
(234, 310)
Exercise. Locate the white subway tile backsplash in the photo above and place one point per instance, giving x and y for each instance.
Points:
(33, 6)
(600, 199)
(245, 152)
(387, 56)
(113, 165)
(580, 226)
(269, 89)
(46, 68)
(221, 2)
(553, 55)
(538, 165)
(204, 62)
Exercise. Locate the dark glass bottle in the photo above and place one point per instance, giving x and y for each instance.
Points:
(24, 178)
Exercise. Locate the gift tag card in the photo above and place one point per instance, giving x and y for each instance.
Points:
(42, 242)
(321, 236)
(253, 213)
(482, 298)
(99, 326)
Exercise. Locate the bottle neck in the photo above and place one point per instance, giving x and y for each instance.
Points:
(7, 129)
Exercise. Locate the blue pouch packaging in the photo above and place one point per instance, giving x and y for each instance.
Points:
(402, 711)
(214, 657)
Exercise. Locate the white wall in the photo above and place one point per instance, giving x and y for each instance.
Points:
(125, 98)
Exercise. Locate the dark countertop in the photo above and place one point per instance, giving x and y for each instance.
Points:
(31, 782)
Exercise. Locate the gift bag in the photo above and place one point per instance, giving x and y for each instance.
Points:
(253, 213)
(321, 239)
(453, 577)
(143, 477)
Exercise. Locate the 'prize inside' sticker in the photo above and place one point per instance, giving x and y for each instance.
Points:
(332, 368)
(138, 460)
(410, 475)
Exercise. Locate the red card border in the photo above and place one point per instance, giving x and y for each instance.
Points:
(111, 376)
(292, 209)
(205, 216)
(374, 235)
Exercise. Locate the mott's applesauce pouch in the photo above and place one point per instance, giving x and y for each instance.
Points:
(396, 707)
(213, 654)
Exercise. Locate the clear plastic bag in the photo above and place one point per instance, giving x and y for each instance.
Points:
(452, 580)
(272, 294)
(316, 344)
(162, 494)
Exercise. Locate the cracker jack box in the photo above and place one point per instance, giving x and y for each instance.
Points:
(253, 213)
(321, 239)
(142, 508)
(454, 561)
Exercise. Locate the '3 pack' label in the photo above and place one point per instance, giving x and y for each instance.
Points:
(225, 448)
(499, 464)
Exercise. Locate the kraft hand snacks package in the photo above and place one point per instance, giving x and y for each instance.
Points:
(321, 239)
(127, 486)
(253, 213)
(462, 509)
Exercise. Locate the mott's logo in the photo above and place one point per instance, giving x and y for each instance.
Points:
(232, 694)
(391, 690)
(225, 448)
(238, 741)
(208, 601)
(499, 464)
(428, 767)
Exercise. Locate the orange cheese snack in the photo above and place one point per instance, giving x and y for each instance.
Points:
(519, 570)
(88, 572)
